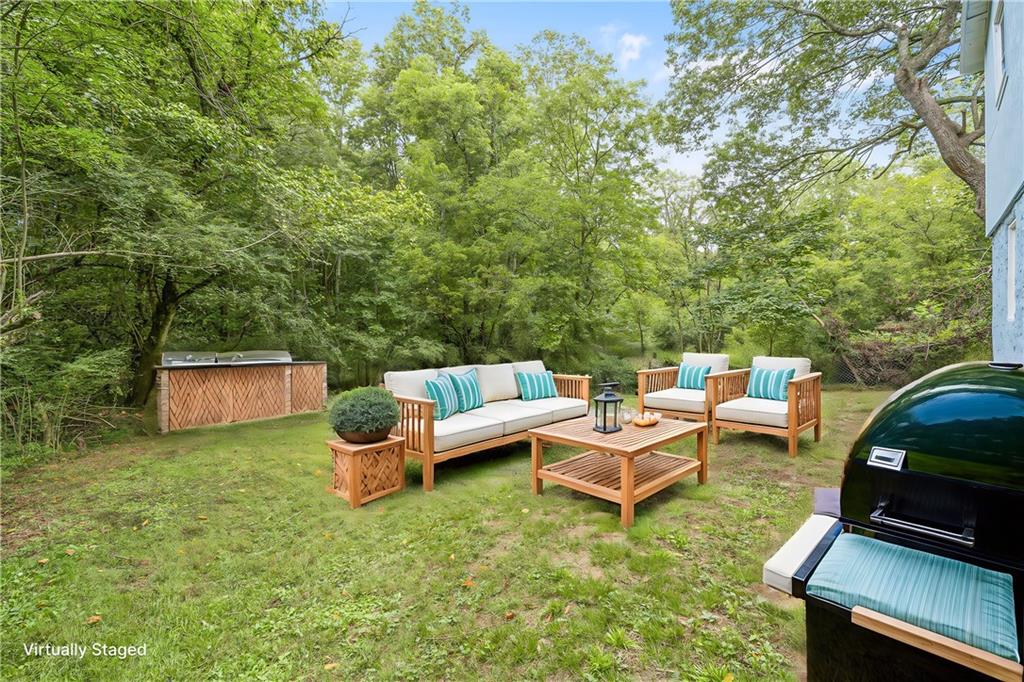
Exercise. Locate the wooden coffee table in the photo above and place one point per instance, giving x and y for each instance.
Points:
(622, 467)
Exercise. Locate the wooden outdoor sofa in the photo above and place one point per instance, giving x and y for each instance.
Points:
(724, 403)
(503, 419)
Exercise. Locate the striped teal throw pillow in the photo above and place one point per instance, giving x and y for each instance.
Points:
(536, 386)
(692, 376)
(442, 392)
(467, 387)
(769, 383)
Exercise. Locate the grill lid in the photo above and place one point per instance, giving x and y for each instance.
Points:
(247, 357)
(188, 357)
(963, 421)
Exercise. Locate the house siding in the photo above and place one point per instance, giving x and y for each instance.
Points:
(1004, 178)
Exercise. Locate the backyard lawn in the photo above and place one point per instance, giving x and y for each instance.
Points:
(222, 552)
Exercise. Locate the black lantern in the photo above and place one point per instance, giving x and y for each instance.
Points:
(606, 409)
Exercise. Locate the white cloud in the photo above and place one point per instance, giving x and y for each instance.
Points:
(608, 33)
(630, 47)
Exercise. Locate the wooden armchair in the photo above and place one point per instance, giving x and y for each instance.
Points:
(800, 411)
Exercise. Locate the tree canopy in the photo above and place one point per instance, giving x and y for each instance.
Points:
(200, 176)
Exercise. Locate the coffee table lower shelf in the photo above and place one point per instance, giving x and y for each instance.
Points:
(601, 474)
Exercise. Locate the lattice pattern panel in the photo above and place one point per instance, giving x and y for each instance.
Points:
(379, 471)
(341, 465)
(197, 397)
(308, 387)
(257, 392)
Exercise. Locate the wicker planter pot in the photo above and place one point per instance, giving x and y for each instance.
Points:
(366, 472)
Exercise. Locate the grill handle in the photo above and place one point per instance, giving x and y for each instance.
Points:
(965, 538)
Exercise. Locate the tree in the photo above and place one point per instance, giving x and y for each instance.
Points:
(812, 88)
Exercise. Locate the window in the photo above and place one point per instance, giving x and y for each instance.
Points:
(1011, 272)
(999, 54)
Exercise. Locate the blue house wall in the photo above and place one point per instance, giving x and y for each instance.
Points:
(1004, 176)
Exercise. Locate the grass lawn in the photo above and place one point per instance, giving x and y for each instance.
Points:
(222, 552)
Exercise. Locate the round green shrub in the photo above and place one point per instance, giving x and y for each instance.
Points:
(366, 409)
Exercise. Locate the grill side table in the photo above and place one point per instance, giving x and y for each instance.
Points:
(364, 472)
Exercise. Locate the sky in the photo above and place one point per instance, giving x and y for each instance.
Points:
(632, 32)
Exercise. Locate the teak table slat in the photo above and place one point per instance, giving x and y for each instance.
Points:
(624, 467)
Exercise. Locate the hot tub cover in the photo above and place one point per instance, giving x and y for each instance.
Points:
(967, 603)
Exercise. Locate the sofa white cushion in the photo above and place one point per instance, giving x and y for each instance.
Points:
(678, 399)
(529, 367)
(718, 362)
(458, 369)
(463, 429)
(560, 408)
(802, 366)
(514, 418)
(497, 382)
(754, 411)
(779, 570)
(411, 384)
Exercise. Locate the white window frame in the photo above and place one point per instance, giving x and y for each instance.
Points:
(1011, 271)
(999, 56)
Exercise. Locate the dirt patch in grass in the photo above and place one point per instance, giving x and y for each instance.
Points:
(580, 564)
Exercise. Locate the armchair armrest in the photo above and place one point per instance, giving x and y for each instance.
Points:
(415, 423)
(725, 386)
(651, 380)
(804, 396)
(573, 385)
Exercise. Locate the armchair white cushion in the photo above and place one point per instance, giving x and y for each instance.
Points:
(676, 399)
(801, 366)
(718, 362)
(754, 411)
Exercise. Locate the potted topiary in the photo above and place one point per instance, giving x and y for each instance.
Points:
(364, 415)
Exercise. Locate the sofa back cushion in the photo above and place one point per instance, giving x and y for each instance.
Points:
(528, 367)
(800, 366)
(467, 387)
(442, 392)
(770, 384)
(497, 382)
(718, 362)
(410, 384)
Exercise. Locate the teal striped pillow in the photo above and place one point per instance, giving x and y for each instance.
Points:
(467, 387)
(442, 392)
(536, 386)
(769, 383)
(692, 376)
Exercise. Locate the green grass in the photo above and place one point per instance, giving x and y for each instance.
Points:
(222, 552)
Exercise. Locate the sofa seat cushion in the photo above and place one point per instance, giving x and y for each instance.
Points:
(464, 429)
(754, 411)
(676, 399)
(514, 418)
(559, 408)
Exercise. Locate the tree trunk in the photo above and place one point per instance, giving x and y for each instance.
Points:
(153, 345)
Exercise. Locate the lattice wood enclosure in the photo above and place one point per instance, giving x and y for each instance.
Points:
(366, 472)
(199, 396)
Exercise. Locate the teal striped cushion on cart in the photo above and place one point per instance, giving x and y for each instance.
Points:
(442, 392)
(967, 603)
(467, 387)
(692, 376)
(769, 383)
(536, 386)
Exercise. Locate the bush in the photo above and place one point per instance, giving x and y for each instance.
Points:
(366, 409)
(605, 368)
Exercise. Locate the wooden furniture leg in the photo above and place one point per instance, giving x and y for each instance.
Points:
(428, 472)
(627, 491)
(702, 455)
(536, 464)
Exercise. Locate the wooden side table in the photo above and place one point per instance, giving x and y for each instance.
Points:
(366, 471)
